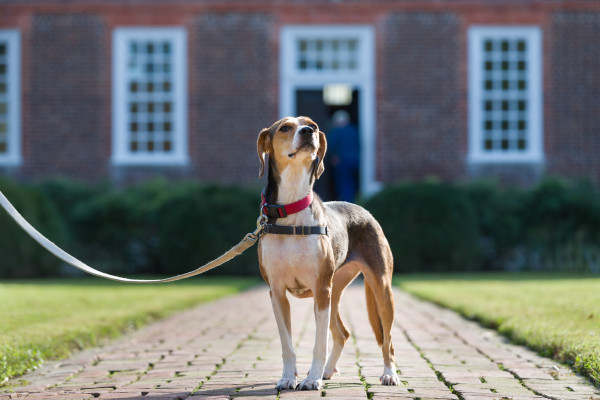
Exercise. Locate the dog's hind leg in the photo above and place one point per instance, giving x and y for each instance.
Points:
(384, 299)
(339, 333)
(281, 309)
(380, 305)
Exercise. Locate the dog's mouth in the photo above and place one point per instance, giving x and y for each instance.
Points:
(304, 146)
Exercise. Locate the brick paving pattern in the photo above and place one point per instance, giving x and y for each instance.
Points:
(229, 349)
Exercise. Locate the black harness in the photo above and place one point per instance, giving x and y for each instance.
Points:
(281, 211)
(300, 230)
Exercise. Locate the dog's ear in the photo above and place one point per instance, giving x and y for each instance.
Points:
(262, 147)
(321, 154)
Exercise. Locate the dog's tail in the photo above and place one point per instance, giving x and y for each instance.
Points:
(373, 312)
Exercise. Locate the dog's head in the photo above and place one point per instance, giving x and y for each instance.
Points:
(293, 142)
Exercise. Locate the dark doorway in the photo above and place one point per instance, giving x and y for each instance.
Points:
(310, 103)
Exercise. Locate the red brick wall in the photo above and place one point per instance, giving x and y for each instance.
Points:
(234, 94)
(573, 105)
(420, 127)
(66, 130)
(233, 75)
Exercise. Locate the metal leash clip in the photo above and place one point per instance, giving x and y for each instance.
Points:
(261, 222)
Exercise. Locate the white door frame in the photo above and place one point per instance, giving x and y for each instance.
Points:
(362, 79)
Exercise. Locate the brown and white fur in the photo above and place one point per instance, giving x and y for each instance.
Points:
(320, 266)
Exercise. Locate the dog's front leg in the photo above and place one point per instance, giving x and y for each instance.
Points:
(314, 380)
(281, 309)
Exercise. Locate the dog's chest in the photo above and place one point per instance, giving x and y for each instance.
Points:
(290, 251)
(293, 259)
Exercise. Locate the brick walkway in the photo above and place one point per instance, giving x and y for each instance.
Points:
(230, 349)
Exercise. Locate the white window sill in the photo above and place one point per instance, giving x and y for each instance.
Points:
(151, 161)
(505, 158)
(10, 161)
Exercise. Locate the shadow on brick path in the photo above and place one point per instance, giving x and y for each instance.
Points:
(229, 349)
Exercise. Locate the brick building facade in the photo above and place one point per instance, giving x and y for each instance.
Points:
(125, 91)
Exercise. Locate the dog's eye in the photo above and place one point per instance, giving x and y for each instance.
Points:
(284, 128)
(313, 126)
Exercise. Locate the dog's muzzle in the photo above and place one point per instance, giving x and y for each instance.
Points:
(303, 139)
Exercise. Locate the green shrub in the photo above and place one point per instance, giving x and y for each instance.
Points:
(67, 195)
(21, 256)
(200, 222)
(169, 228)
(557, 212)
(499, 225)
(165, 228)
(554, 225)
(562, 225)
(430, 226)
(115, 228)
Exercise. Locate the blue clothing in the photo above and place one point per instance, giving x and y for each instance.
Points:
(346, 184)
(343, 141)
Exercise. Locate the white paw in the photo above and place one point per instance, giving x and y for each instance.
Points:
(310, 384)
(327, 374)
(285, 383)
(389, 380)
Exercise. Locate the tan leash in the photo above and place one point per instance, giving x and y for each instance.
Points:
(247, 242)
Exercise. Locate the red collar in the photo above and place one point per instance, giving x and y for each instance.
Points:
(282, 211)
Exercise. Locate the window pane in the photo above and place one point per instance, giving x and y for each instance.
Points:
(504, 111)
(150, 91)
(327, 54)
(9, 67)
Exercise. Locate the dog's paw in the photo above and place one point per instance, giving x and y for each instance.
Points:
(285, 383)
(310, 384)
(389, 379)
(327, 374)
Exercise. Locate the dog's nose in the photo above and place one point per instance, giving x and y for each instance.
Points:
(307, 130)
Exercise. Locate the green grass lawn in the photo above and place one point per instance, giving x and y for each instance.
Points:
(48, 319)
(557, 315)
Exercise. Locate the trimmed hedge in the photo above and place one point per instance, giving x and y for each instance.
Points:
(20, 256)
(435, 226)
(162, 228)
(169, 228)
(153, 228)
(430, 226)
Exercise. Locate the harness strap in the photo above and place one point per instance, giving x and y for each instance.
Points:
(236, 250)
(300, 230)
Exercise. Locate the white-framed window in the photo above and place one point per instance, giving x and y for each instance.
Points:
(327, 54)
(339, 60)
(505, 94)
(10, 82)
(323, 51)
(149, 96)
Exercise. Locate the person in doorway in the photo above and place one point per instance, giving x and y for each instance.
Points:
(343, 149)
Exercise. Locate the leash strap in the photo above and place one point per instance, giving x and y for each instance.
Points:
(247, 242)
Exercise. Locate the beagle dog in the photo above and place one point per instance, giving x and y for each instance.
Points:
(311, 248)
